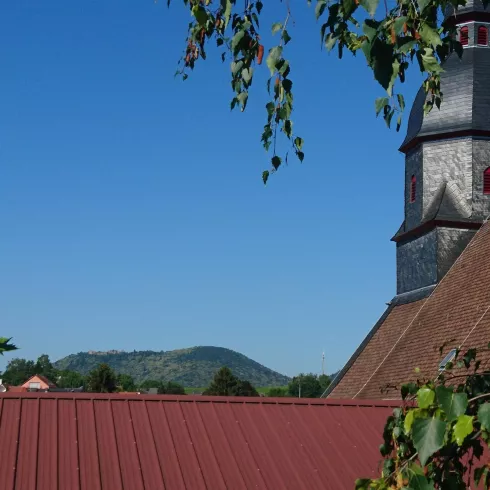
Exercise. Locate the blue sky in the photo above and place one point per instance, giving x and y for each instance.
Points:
(132, 210)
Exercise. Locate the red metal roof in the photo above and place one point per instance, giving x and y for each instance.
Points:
(138, 442)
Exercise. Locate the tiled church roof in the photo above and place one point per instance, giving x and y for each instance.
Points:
(409, 335)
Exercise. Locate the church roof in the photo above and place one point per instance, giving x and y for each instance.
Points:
(466, 100)
(142, 442)
(409, 335)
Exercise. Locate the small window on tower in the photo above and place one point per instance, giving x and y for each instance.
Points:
(486, 181)
(413, 188)
(482, 36)
(463, 36)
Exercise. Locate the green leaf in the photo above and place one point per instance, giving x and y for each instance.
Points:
(419, 482)
(425, 397)
(428, 61)
(300, 155)
(423, 4)
(370, 6)
(399, 23)
(330, 41)
(428, 437)
(226, 8)
(484, 416)
(401, 101)
(200, 14)
(276, 27)
(453, 404)
(236, 66)
(380, 104)
(276, 162)
(236, 40)
(298, 142)
(409, 418)
(286, 37)
(462, 428)
(6, 346)
(275, 54)
(265, 176)
(320, 8)
(242, 98)
(430, 35)
(247, 74)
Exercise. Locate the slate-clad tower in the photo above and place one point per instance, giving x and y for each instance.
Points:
(447, 161)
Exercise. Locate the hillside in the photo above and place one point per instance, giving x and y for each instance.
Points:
(193, 367)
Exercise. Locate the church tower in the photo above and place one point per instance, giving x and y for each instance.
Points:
(447, 161)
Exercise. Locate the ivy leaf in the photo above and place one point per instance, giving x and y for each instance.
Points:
(425, 397)
(462, 428)
(428, 437)
(370, 6)
(430, 35)
(453, 404)
(226, 8)
(484, 416)
(275, 54)
(276, 27)
(320, 8)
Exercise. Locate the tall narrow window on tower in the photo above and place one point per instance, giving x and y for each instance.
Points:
(413, 188)
(463, 36)
(486, 181)
(482, 36)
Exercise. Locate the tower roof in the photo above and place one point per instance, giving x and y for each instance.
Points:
(465, 107)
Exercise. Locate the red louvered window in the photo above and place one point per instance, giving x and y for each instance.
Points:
(463, 36)
(413, 187)
(486, 181)
(482, 36)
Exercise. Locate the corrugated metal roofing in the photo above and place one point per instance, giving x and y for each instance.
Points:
(65, 441)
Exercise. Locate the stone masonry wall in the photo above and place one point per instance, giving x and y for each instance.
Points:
(416, 263)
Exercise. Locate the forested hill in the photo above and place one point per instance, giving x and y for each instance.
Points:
(193, 367)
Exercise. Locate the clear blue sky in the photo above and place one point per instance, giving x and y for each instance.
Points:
(132, 210)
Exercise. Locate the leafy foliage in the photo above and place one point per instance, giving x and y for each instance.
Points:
(436, 439)
(225, 383)
(408, 33)
(194, 367)
(102, 380)
(308, 385)
(169, 388)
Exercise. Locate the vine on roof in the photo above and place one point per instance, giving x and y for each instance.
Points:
(437, 439)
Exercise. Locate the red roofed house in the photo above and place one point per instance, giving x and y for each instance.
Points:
(38, 382)
(442, 249)
(89, 441)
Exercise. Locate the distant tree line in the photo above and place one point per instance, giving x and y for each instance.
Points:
(304, 386)
(103, 379)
